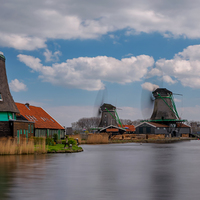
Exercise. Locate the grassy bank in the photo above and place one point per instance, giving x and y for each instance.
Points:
(59, 148)
(11, 146)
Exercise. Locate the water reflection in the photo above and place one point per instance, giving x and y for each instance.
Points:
(163, 172)
(110, 172)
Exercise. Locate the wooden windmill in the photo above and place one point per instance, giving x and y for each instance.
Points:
(165, 111)
(8, 108)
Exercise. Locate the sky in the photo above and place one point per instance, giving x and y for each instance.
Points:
(60, 54)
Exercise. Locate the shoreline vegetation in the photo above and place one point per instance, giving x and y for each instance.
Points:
(104, 139)
(12, 146)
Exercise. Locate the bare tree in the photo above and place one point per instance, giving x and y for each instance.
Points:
(129, 122)
(86, 123)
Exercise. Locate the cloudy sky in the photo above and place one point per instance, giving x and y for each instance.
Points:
(59, 54)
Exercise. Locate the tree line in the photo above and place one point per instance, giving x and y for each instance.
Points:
(88, 123)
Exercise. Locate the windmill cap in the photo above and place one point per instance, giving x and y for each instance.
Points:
(107, 106)
(2, 57)
(162, 92)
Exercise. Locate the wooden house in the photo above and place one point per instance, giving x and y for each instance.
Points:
(112, 129)
(157, 130)
(130, 129)
(45, 124)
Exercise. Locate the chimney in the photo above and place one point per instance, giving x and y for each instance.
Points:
(27, 105)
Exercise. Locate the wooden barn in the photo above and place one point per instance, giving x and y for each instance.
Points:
(157, 130)
(9, 125)
(112, 129)
(45, 124)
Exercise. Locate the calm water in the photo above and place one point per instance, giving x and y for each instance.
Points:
(110, 172)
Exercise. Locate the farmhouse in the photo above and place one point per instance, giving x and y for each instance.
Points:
(45, 124)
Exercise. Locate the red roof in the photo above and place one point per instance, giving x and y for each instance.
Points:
(112, 130)
(36, 114)
(182, 125)
(158, 125)
(128, 128)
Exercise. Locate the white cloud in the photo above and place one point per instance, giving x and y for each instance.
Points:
(88, 73)
(29, 25)
(31, 61)
(169, 80)
(52, 57)
(21, 41)
(17, 86)
(149, 86)
(185, 67)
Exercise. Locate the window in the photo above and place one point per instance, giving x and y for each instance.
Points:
(1, 99)
(140, 129)
(29, 128)
(148, 129)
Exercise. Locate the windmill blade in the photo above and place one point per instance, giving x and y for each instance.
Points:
(153, 80)
(177, 94)
(147, 103)
(99, 101)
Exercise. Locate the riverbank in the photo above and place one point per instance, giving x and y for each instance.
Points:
(104, 140)
(59, 148)
(165, 140)
(11, 146)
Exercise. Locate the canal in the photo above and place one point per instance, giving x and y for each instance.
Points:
(105, 172)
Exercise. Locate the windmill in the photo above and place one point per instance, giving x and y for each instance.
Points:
(165, 112)
(106, 112)
(159, 109)
(109, 116)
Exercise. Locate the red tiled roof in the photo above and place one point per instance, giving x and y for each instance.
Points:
(182, 125)
(36, 114)
(128, 128)
(112, 130)
(158, 125)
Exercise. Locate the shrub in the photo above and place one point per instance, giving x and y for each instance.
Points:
(55, 137)
(59, 141)
(63, 141)
(76, 132)
(37, 140)
(72, 141)
(49, 141)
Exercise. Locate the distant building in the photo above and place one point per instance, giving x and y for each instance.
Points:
(195, 126)
(114, 130)
(156, 129)
(69, 131)
(130, 129)
(45, 124)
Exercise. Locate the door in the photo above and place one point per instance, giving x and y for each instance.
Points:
(18, 136)
(59, 134)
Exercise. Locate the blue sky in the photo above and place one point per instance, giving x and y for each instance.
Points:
(59, 54)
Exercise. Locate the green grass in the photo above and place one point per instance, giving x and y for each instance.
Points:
(59, 148)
